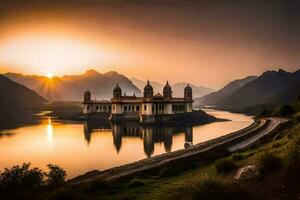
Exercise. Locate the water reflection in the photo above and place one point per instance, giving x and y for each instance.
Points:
(80, 147)
(49, 131)
(149, 134)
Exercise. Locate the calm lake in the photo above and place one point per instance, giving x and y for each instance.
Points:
(81, 147)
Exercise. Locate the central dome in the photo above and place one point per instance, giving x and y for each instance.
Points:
(167, 88)
(167, 91)
(117, 89)
(148, 87)
(148, 90)
(188, 88)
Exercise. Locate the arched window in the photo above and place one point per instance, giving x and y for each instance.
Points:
(125, 108)
(137, 108)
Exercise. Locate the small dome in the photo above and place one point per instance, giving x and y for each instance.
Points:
(148, 87)
(117, 89)
(158, 95)
(167, 88)
(188, 88)
(87, 92)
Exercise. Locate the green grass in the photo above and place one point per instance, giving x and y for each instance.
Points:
(269, 162)
(225, 166)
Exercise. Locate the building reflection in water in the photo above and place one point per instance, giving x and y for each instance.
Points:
(149, 134)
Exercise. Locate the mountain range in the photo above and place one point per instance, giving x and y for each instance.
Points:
(177, 88)
(72, 87)
(254, 94)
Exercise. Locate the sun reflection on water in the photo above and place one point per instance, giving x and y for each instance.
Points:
(49, 131)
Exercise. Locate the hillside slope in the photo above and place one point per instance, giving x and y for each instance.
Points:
(17, 104)
(214, 97)
(14, 96)
(271, 89)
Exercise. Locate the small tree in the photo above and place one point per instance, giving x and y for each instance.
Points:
(56, 176)
(286, 110)
(21, 178)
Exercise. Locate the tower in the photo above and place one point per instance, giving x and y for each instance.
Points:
(188, 92)
(117, 92)
(87, 96)
(167, 91)
(148, 90)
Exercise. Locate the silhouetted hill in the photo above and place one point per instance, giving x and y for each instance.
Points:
(14, 96)
(17, 104)
(271, 89)
(72, 87)
(178, 88)
(215, 97)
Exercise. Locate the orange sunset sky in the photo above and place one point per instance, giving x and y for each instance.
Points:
(202, 42)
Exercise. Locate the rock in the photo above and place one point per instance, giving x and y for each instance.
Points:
(248, 173)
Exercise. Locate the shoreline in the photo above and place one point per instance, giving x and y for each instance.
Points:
(219, 146)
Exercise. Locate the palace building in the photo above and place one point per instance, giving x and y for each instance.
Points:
(149, 108)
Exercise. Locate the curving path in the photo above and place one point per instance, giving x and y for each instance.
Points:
(273, 124)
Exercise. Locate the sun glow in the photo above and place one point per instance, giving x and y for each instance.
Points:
(50, 75)
(49, 52)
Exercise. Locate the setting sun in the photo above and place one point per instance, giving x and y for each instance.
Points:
(50, 75)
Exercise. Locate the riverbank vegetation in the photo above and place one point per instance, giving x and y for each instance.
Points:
(24, 182)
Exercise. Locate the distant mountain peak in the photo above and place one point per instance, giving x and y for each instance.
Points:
(282, 71)
(111, 73)
(91, 72)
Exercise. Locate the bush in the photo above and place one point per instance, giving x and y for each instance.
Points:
(225, 167)
(64, 193)
(98, 185)
(56, 176)
(269, 162)
(238, 156)
(136, 183)
(21, 178)
(213, 188)
(284, 110)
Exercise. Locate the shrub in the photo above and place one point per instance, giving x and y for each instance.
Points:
(284, 110)
(269, 162)
(56, 176)
(238, 156)
(225, 166)
(21, 178)
(98, 186)
(136, 183)
(213, 188)
(64, 193)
